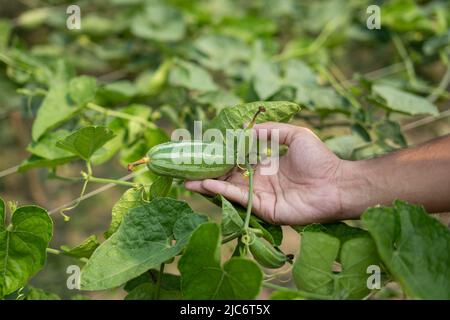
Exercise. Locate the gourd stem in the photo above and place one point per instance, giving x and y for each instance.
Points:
(158, 282)
(231, 238)
(132, 165)
(253, 122)
(250, 197)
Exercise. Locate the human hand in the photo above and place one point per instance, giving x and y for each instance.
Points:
(304, 189)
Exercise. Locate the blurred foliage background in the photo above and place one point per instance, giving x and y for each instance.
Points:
(365, 92)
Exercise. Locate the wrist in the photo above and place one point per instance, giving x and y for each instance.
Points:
(356, 188)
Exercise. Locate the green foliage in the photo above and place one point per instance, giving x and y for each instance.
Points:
(143, 241)
(321, 247)
(400, 101)
(203, 277)
(235, 117)
(112, 90)
(85, 141)
(23, 245)
(132, 198)
(84, 249)
(414, 247)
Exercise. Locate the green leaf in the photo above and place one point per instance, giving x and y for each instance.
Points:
(343, 146)
(170, 288)
(118, 91)
(55, 109)
(297, 73)
(404, 102)
(85, 141)
(144, 240)
(191, 76)
(321, 99)
(266, 78)
(38, 162)
(203, 277)
(415, 248)
(84, 249)
(160, 187)
(235, 117)
(219, 52)
(46, 146)
(160, 23)
(132, 198)
(23, 246)
(82, 89)
(39, 294)
(218, 99)
(5, 31)
(321, 247)
(390, 132)
(231, 220)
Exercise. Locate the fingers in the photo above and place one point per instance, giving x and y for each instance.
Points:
(286, 132)
(235, 193)
(196, 186)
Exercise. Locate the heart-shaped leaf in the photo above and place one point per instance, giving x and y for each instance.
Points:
(23, 245)
(321, 247)
(415, 248)
(85, 141)
(203, 277)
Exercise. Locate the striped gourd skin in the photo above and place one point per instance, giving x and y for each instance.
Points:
(182, 160)
(266, 255)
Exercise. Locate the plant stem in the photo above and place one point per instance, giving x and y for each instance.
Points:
(119, 114)
(300, 293)
(440, 89)
(83, 191)
(250, 196)
(53, 251)
(158, 282)
(231, 238)
(119, 182)
(343, 92)
(406, 59)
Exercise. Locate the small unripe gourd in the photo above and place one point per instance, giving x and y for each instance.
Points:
(265, 254)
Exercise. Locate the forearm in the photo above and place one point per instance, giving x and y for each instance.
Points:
(418, 175)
